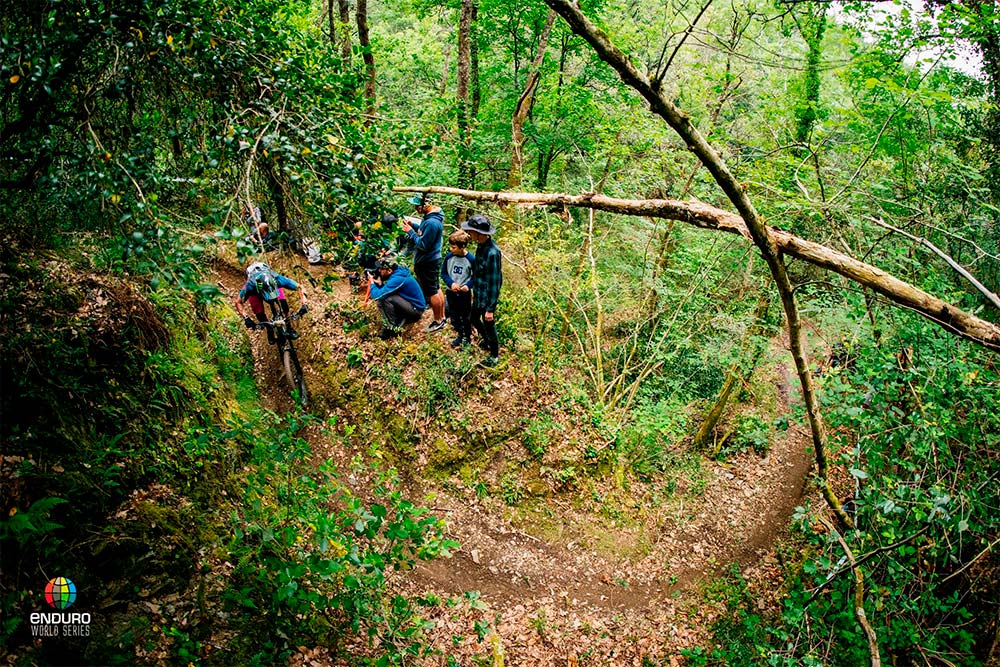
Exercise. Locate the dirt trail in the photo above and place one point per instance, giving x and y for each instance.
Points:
(744, 508)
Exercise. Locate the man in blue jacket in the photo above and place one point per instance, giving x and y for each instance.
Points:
(427, 256)
(398, 296)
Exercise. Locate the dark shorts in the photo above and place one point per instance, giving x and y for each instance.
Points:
(428, 275)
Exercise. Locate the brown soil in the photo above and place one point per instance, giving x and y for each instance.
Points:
(559, 580)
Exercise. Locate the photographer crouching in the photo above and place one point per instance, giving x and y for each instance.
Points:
(398, 296)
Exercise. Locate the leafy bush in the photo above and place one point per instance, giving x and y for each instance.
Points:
(167, 466)
(650, 440)
(750, 432)
(914, 423)
(313, 566)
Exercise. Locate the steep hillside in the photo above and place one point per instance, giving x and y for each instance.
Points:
(571, 539)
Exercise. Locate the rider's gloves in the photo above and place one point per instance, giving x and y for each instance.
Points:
(249, 323)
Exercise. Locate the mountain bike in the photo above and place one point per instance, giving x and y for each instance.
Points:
(280, 333)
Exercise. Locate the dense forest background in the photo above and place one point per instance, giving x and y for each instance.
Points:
(207, 520)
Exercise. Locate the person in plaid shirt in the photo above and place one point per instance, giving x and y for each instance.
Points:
(487, 278)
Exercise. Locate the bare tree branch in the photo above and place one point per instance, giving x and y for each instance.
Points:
(947, 258)
(859, 597)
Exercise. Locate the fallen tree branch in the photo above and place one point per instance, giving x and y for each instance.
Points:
(699, 214)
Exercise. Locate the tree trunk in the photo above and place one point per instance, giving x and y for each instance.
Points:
(734, 376)
(277, 193)
(474, 53)
(948, 316)
(523, 107)
(446, 70)
(462, 98)
(545, 157)
(369, 58)
(812, 27)
(985, 34)
(333, 22)
(344, 29)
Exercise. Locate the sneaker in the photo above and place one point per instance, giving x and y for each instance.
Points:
(458, 342)
(435, 326)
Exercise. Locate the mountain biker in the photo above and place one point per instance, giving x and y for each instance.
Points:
(263, 284)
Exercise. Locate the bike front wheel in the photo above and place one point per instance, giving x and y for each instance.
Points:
(293, 371)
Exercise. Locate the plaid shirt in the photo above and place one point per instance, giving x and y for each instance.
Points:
(486, 277)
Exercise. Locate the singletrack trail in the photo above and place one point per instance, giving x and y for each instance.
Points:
(618, 590)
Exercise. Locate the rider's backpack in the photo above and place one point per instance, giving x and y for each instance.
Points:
(264, 282)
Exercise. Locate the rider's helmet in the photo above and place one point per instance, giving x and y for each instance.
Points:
(257, 267)
(261, 277)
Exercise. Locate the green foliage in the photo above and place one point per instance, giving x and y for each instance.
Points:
(439, 380)
(510, 489)
(32, 523)
(750, 432)
(164, 471)
(312, 557)
(537, 435)
(190, 106)
(650, 439)
(103, 431)
(918, 435)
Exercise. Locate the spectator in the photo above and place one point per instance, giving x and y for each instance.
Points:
(399, 297)
(487, 279)
(252, 216)
(457, 274)
(427, 256)
(265, 238)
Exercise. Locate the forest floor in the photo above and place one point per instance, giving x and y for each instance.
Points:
(560, 583)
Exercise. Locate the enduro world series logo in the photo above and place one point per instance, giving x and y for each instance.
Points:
(60, 593)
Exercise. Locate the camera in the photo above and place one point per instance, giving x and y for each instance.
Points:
(357, 279)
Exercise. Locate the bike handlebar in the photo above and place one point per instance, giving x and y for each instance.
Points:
(269, 324)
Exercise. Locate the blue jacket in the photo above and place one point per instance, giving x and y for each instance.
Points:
(250, 289)
(402, 281)
(428, 242)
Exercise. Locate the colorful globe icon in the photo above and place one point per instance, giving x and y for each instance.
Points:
(60, 593)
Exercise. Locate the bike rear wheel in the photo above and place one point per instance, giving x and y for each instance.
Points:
(293, 371)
